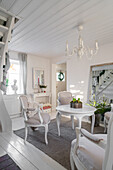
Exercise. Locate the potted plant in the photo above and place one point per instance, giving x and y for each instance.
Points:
(101, 107)
(76, 103)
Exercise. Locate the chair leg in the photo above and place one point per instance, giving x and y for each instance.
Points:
(105, 126)
(46, 131)
(58, 122)
(26, 131)
(72, 119)
(72, 162)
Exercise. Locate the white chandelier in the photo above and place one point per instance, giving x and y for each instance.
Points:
(81, 49)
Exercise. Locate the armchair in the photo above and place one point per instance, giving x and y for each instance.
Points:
(106, 119)
(34, 116)
(92, 152)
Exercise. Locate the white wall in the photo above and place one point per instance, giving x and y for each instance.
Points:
(41, 63)
(78, 70)
(35, 61)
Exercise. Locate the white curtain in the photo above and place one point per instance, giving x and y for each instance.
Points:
(23, 71)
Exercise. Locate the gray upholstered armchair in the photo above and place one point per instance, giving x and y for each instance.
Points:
(34, 116)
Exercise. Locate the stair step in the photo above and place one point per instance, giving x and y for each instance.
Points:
(3, 29)
(3, 18)
(2, 44)
(1, 34)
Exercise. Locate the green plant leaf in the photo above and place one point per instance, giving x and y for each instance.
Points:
(74, 100)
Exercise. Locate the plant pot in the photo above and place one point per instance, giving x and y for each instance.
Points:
(78, 105)
(97, 120)
(75, 105)
(72, 104)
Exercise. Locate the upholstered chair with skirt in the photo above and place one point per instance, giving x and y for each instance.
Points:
(107, 116)
(34, 116)
(92, 152)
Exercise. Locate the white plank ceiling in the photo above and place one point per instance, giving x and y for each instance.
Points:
(45, 25)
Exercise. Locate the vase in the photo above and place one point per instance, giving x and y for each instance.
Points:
(97, 120)
(75, 105)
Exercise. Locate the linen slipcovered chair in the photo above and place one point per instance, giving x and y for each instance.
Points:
(92, 152)
(34, 116)
(64, 98)
(107, 116)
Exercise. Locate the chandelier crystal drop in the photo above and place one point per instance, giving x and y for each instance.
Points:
(81, 49)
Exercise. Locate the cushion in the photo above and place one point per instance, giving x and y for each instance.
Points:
(65, 100)
(89, 153)
(45, 117)
(35, 120)
(108, 115)
(32, 121)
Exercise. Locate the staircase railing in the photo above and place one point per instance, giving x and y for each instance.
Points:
(104, 88)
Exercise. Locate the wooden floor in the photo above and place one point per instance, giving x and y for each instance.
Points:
(26, 156)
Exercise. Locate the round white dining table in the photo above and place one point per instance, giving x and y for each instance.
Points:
(78, 113)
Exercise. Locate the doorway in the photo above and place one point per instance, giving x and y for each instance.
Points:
(61, 78)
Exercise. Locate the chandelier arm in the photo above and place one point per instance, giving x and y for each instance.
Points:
(81, 50)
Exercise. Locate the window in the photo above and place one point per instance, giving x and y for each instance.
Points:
(13, 74)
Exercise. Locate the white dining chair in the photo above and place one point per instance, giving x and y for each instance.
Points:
(64, 98)
(34, 116)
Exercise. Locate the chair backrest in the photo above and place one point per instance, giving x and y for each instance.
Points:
(108, 159)
(24, 101)
(64, 97)
(24, 104)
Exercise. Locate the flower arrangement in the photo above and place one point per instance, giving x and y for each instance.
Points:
(101, 107)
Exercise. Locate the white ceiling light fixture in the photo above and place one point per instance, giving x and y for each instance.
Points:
(81, 49)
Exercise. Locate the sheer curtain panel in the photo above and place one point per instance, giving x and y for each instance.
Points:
(23, 71)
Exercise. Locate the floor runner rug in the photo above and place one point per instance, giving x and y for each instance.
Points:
(6, 163)
(58, 148)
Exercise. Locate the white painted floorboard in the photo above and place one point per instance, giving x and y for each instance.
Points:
(26, 156)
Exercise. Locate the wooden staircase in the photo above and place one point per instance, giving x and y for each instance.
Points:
(6, 26)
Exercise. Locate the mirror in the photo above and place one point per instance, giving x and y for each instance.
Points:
(101, 82)
(38, 77)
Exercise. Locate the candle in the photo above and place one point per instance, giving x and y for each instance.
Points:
(67, 45)
(96, 44)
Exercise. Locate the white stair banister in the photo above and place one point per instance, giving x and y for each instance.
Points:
(5, 121)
